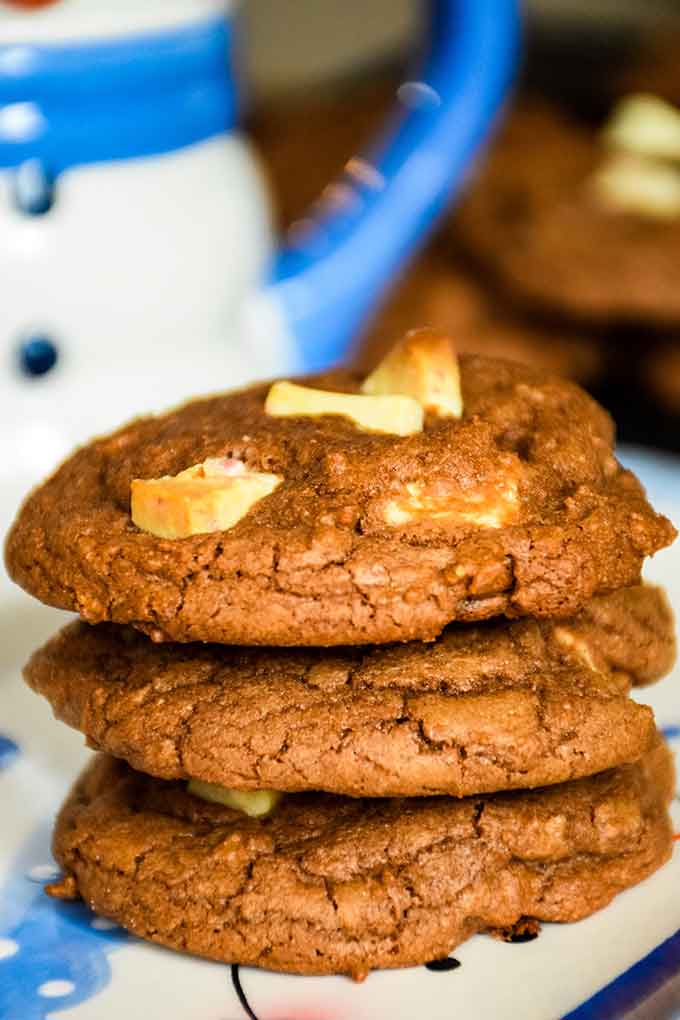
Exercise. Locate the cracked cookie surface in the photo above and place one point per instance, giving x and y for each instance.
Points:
(495, 706)
(546, 519)
(334, 885)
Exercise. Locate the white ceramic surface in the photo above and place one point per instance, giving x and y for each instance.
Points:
(541, 980)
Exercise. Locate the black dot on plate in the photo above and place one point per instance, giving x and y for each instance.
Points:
(440, 966)
(37, 355)
(524, 936)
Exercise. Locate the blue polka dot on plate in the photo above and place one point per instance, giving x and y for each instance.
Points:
(8, 751)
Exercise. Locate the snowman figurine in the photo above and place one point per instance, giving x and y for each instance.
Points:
(136, 256)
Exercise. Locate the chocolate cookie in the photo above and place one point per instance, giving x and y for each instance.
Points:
(518, 508)
(533, 218)
(495, 706)
(333, 885)
(440, 291)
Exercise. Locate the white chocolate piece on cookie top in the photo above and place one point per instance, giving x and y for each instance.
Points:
(423, 365)
(254, 803)
(629, 183)
(396, 415)
(207, 497)
(493, 505)
(645, 125)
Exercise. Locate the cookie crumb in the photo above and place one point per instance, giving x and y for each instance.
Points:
(359, 974)
(64, 889)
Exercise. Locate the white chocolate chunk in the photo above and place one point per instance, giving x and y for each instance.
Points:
(398, 415)
(423, 365)
(207, 497)
(493, 506)
(630, 184)
(254, 803)
(577, 646)
(644, 125)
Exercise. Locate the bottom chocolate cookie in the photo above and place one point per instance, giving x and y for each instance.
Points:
(331, 885)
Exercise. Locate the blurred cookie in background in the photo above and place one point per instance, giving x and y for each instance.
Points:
(582, 221)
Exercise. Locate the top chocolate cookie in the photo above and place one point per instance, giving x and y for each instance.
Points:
(334, 529)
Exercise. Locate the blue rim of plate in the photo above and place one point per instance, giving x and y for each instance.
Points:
(649, 990)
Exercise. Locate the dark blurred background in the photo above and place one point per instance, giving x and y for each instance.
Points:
(323, 76)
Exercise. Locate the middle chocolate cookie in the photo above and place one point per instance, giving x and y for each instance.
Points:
(496, 706)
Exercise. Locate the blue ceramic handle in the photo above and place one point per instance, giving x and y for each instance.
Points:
(329, 280)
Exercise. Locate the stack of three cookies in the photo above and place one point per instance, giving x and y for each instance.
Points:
(440, 564)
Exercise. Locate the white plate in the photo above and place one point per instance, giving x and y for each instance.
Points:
(59, 960)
